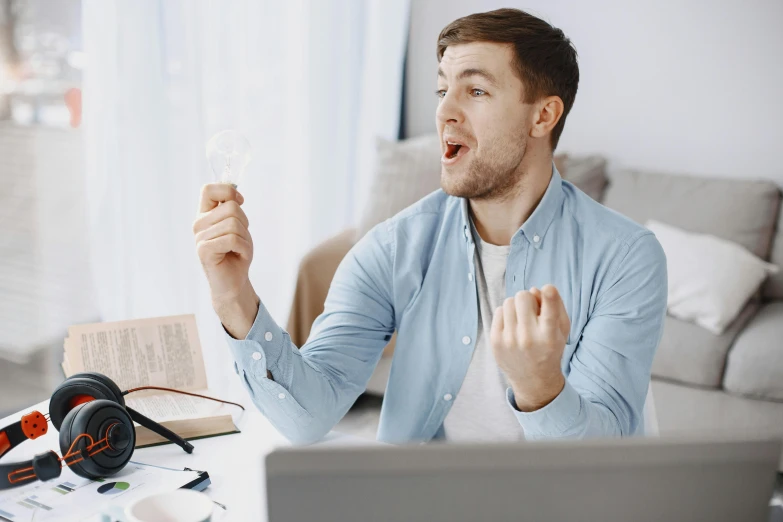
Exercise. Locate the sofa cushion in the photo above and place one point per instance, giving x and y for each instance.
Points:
(737, 210)
(754, 367)
(693, 412)
(690, 354)
(588, 173)
(773, 289)
(405, 172)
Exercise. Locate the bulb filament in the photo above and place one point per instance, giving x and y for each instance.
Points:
(227, 169)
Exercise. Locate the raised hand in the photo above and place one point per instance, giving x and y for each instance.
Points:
(225, 248)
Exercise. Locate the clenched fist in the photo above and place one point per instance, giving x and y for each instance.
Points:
(225, 249)
(528, 336)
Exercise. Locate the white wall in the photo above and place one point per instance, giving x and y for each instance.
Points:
(673, 86)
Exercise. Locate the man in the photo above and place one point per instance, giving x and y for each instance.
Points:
(523, 308)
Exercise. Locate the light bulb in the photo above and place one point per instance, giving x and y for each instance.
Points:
(228, 153)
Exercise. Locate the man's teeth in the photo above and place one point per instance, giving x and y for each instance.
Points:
(453, 149)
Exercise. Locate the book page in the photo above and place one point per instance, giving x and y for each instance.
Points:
(161, 351)
(162, 406)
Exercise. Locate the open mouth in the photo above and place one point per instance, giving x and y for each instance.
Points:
(454, 151)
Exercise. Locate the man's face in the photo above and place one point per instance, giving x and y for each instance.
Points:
(482, 120)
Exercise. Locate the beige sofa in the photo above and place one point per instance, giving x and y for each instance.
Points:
(701, 382)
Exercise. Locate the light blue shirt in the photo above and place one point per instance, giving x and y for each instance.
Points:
(414, 273)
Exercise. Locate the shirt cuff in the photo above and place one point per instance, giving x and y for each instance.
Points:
(261, 349)
(556, 419)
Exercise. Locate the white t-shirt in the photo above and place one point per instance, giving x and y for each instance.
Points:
(480, 411)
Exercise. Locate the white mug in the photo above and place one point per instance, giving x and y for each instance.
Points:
(181, 505)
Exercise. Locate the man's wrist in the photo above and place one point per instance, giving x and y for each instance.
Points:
(531, 398)
(238, 314)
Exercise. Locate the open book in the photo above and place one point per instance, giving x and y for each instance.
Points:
(162, 351)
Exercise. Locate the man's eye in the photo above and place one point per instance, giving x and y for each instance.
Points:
(440, 94)
(477, 92)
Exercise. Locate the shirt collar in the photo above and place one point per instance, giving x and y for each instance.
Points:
(537, 225)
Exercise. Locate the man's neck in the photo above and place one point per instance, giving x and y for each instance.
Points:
(497, 220)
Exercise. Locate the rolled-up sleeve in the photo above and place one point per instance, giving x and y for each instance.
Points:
(609, 372)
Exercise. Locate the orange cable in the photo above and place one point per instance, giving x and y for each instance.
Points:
(182, 392)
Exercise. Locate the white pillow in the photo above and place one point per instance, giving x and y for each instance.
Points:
(710, 279)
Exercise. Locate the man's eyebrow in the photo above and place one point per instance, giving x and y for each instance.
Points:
(467, 73)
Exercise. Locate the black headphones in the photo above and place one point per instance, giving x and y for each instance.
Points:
(97, 435)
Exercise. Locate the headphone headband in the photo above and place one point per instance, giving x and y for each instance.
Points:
(43, 466)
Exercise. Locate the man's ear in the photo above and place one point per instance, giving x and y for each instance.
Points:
(548, 112)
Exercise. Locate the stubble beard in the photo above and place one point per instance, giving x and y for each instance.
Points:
(489, 179)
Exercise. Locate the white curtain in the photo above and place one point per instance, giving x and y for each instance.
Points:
(309, 83)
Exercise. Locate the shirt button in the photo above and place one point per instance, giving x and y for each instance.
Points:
(447, 397)
(467, 234)
(470, 277)
(281, 396)
(466, 340)
(257, 356)
(536, 239)
(268, 336)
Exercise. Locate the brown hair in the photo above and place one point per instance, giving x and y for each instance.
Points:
(546, 60)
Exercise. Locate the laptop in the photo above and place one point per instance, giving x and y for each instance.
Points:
(639, 479)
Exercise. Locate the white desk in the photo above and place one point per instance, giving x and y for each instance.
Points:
(234, 462)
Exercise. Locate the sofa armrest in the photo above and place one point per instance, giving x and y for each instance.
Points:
(312, 285)
(316, 271)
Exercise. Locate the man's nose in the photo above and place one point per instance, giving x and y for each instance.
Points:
(449, 110)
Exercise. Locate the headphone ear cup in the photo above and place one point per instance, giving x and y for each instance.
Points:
(81, 386)
(94, 418)
(105, 380)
